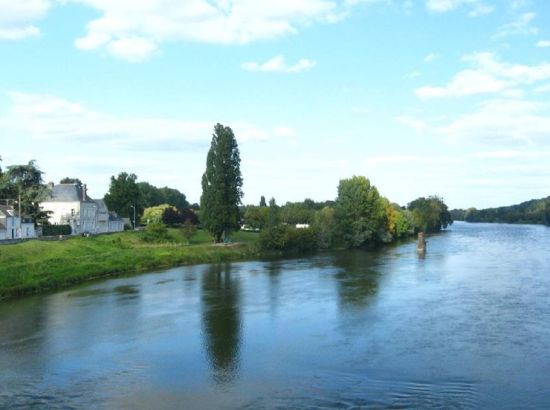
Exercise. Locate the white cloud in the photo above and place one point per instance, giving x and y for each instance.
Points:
(430, 58)
(53, 118)
(477, 7)
(467, 82)
(278, 64)
(488, 75)
(543, 43)
(210, 21)
(17, 18)
(499, 121)
(520, 27)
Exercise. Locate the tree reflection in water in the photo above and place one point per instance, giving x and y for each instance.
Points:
(221, 318)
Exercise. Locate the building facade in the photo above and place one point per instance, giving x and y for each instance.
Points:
(12, 227)
(69, 204)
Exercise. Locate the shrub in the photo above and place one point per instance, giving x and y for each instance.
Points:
(56, 230)
(155, 233)
(287, 238)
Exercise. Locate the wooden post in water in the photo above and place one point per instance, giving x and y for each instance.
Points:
(421, 243)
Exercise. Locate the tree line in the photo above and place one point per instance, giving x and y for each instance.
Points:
(359, 217)
(535, 211)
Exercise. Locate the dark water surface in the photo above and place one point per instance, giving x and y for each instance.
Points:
(468, 326)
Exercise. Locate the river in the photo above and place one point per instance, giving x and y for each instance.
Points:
(467, 326)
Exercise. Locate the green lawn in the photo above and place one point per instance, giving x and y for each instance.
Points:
(35, 266)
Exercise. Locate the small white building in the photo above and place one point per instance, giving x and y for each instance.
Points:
(12, 227)
(70, 204)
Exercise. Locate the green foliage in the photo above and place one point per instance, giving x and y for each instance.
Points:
(273, 214)
(360, 212)
(124, 193)
(221, 185)
(189, 230)
(430, 214)
(154, 214)
(535, 211)
(262, 200)
(152, 196)
(297, 213)
(324, 224)
(56, 230)
(68, 180)
(155, 232)
(25, 182)
(255, 217)
(36, 266)
(287, 238)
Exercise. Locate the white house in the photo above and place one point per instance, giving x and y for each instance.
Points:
(12, 227)
(70, 204)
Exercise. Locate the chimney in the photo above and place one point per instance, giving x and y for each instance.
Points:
(84, 189)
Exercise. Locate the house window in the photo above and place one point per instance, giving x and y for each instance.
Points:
(72, 212)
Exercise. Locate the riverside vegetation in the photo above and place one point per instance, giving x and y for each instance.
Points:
(37, 266)
(359, 218)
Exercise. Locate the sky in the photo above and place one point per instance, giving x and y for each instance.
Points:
(424, 97)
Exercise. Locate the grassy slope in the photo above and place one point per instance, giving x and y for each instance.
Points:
(36, 266)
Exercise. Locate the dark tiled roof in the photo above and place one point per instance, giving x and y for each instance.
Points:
(6, 210)
(114, 217)
(66, 193)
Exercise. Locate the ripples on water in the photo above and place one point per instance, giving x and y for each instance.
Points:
(468, 326)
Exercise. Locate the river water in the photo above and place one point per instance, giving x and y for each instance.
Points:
(467, 326)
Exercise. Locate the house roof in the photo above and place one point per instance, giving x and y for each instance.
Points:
(7, 210)
(113, 216)
(66, 193)
(101, 206)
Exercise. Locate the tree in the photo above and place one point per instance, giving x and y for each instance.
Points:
(325, 224)
(123, 195)
(222, 185)
(430, 214)
(24, 185)
(262, 201)
(154, 214)
(153, 196)
(68, 180)
(360, 212)
(188, 230)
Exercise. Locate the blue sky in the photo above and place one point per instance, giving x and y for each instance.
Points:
(446, 97)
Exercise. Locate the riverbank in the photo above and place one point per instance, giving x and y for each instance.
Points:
(39, 266)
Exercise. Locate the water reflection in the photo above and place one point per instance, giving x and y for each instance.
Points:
(221, 321)
(357, 278)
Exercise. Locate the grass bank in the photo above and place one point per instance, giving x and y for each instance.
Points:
(37, 266)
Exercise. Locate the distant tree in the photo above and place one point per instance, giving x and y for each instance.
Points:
(255, 217)
(262, 201)
(324, 224)
(222, 185)
(430, 214)
(360, 212)
(273, 215)
(150, 195)
(68, 180)
(190, 215)
(189, 230)
(172, 216)
(154, 214)
(153, 196)
(24, 185)
(123, 194)
(174, 197)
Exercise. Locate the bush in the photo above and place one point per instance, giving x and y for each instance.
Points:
(287, 238)
(155, 233)
(56, 230)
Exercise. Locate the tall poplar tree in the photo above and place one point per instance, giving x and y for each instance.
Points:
(221, 185)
